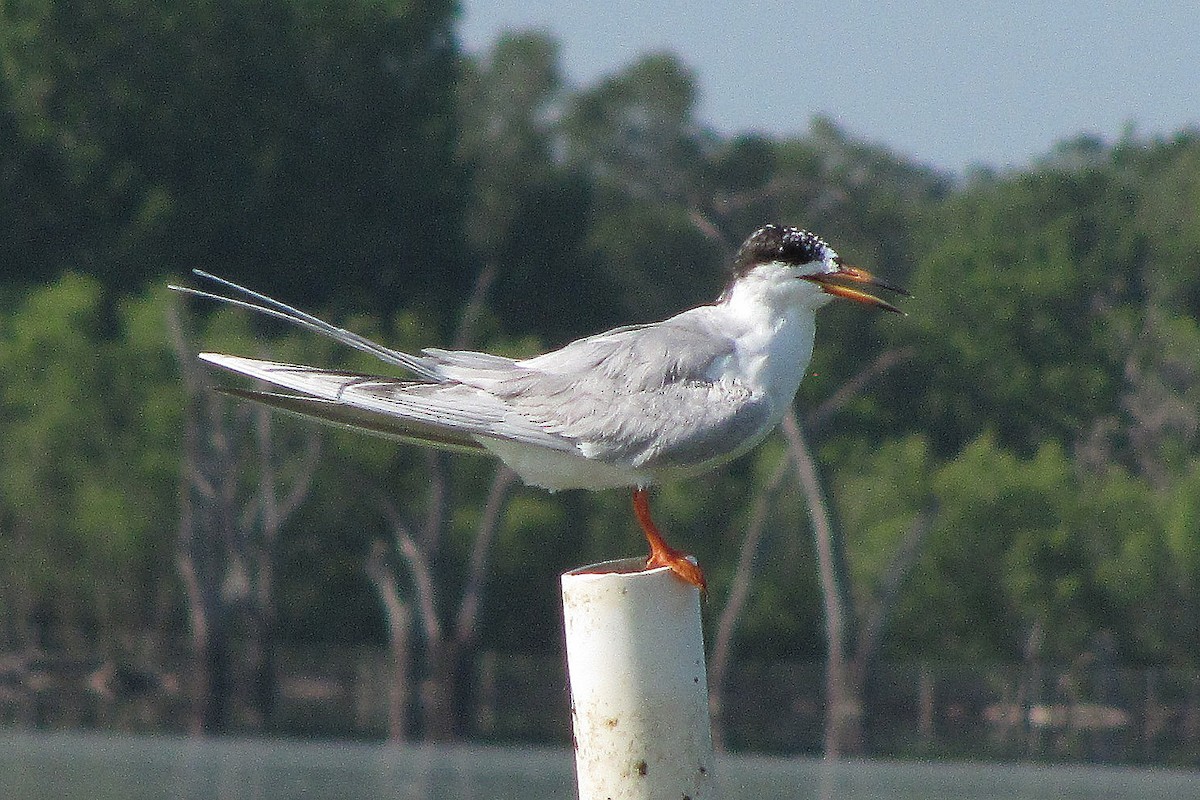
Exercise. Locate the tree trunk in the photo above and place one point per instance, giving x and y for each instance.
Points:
(400, 680)
(199, 683)
(226, 542)
(439, 692)
(398, 614)
(739, 592)
(843, 696)
(217, 704)
(843, 709)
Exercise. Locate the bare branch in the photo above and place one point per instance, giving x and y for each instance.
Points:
(476, 304)
(830, 565)
(192, 477)
(740, 586)
(396, 610)
(189, 365)
(419, 568)
(439, 498)
(842, 697)
(193, 383)
(267, 500)
(740, 590)
(710, 230)
(489, 526)
(398, 613)
(301, 485)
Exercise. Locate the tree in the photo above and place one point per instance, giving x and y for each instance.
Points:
(526, 220)
(241, 481)
(1016, 296)
(89, 405)
(635, 135)
(295, 140)
(450, 641)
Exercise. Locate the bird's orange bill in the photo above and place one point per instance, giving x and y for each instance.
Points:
(856, 275)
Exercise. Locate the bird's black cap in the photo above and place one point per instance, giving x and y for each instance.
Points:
(779, 243)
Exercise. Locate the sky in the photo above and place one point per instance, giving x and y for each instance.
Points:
(949, 84)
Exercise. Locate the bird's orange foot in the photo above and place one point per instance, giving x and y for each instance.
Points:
(661, 553)
(681, 565)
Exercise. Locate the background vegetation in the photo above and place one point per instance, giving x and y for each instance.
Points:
(1034, 417)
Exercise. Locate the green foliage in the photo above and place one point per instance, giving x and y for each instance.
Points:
(635, 131)
(880, 490)
(286, 139)
(527, 207)
(90, 451)
(1007, 313)
(1029, 555)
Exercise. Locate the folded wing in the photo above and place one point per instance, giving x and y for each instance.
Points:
(647, 397)
(438, 415)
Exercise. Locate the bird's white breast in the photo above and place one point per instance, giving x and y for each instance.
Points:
(774, 329)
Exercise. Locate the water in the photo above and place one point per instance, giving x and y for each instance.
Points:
(48, 766)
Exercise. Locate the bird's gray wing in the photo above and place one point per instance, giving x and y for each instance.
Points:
(646, 397)
(342, 415)
(438, 415)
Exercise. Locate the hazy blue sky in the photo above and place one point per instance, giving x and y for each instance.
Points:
(945, 82)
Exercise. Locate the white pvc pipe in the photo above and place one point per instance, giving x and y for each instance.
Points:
(639, 693)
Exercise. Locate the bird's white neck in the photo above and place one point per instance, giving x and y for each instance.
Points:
(774, 316)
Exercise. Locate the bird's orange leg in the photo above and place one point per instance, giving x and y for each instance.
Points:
(661, 553)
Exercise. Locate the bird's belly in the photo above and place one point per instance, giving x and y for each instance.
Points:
(557, 469)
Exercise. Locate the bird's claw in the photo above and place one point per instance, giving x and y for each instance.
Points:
(683, 566)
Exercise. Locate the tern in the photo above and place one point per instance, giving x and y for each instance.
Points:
(631, 407)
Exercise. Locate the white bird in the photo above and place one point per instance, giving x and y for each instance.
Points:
(632, 407)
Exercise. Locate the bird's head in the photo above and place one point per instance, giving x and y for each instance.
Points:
(782, 255)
